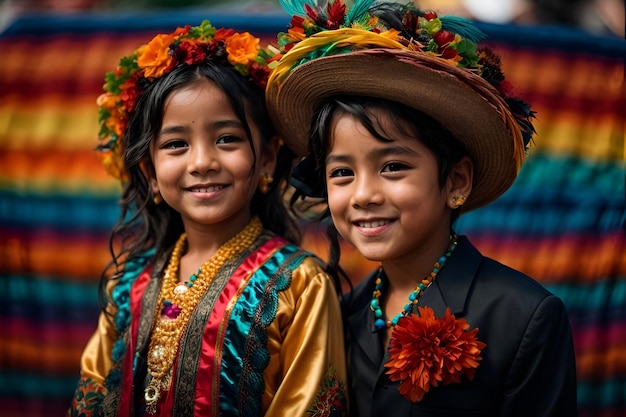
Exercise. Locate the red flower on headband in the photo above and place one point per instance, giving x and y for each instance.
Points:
(426, 351)
(222, 34)
(259, 74)
(191, 52)
(129, 93)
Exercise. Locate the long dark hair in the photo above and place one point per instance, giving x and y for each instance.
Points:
(143, 224)
(367, 110)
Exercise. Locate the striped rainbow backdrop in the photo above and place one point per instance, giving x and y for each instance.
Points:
(562, 222)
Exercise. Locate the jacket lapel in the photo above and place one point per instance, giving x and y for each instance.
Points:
(454, 283)
(361, 321)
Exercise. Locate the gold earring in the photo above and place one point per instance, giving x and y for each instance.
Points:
(158, 198)
(458, 200)
(264, 182)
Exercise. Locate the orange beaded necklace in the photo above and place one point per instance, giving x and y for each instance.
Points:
(169, 327)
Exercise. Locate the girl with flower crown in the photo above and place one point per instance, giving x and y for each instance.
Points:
(404, 125)
(210, 307)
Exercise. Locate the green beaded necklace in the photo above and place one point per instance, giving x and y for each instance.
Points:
(414, 297)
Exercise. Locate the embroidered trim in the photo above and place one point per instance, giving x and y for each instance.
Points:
(114, 380)
(87, 401)
(256, 356)
(331, 400)
(192, 339)
(121, 298)
(264, 251)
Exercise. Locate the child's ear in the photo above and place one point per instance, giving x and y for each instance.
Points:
(155, 186)
(460, 182)
(269, 155)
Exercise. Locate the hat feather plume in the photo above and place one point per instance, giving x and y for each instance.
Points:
(359, 9)
(297, 7)
(463, 27)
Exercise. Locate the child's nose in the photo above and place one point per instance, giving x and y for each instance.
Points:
(203, 160)
(367, 191)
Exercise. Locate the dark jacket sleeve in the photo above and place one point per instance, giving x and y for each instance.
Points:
(546, 353)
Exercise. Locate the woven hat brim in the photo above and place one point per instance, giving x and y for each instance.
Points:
(462, 102)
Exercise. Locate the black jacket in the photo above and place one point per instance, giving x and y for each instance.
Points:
(528, 367)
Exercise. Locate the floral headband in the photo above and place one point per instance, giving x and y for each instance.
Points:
(165, 52)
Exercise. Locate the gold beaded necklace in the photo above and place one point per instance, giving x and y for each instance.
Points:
(184, 298)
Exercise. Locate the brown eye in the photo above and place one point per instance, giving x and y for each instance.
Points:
(228, 139)
(394, 166)
(341, 172)
(174, 144)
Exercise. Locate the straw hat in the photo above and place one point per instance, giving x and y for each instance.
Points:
(431, 65)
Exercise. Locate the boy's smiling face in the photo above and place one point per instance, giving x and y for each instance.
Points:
(384, 197)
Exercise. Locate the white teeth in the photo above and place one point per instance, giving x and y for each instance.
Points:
(373, 224)
(207, 189)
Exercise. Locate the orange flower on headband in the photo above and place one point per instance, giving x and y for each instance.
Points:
(154, 57)
(242, 48)
(114, 166)
(185, 46)
(426, 351)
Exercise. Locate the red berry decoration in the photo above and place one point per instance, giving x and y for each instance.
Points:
(448, 53)
(430, 15)
(443, 37)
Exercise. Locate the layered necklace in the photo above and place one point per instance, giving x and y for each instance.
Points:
(177, 301)
(414, 297)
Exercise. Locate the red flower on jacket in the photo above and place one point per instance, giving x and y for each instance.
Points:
(426, 351)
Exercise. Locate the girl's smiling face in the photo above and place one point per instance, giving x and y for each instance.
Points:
(205, 168)
(384, 196)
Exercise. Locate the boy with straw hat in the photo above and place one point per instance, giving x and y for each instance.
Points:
(404, 124)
